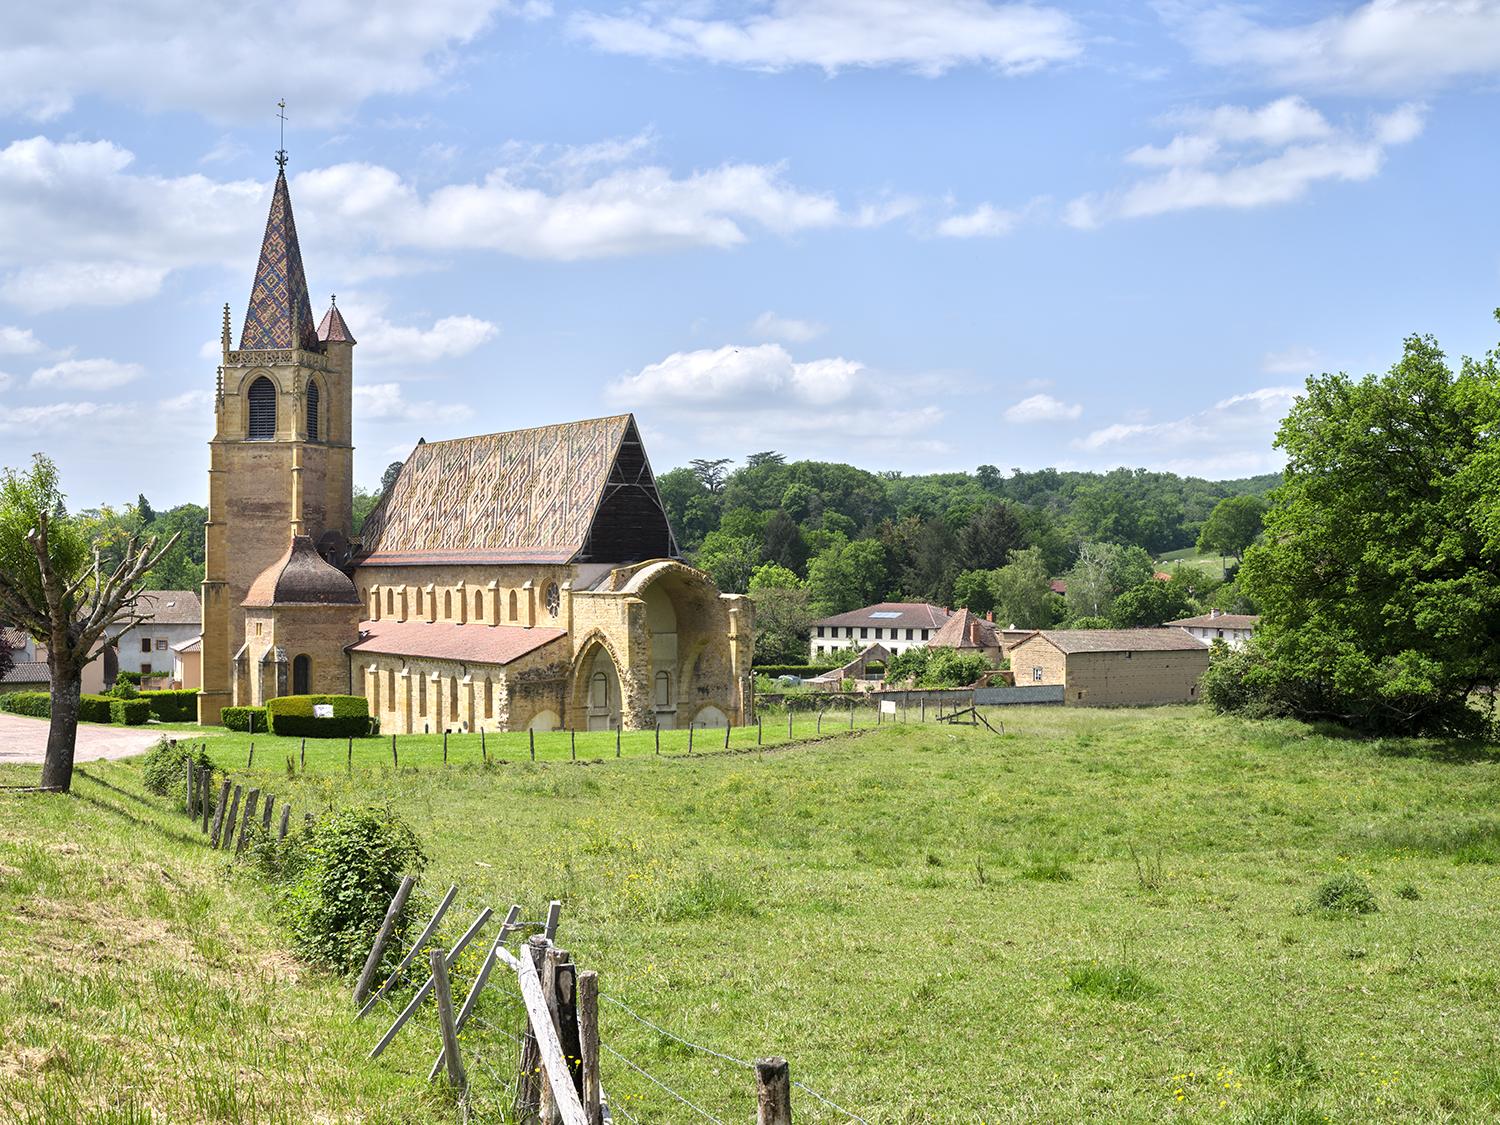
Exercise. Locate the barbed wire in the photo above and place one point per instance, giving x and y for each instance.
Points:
(646, 1074)
(670, 1035)
(830, 1103)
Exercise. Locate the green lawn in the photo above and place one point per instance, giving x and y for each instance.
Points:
(1189, 556)
(1103, 915)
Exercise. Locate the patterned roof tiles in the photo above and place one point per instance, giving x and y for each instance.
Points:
(333, 326)
(280, 313)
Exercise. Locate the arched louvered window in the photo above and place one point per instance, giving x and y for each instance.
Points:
(262, 410)
(312, 412)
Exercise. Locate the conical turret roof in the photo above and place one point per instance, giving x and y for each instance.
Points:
(280, 313)
(301, 577)
(333, 326)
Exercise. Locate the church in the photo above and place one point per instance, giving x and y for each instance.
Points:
(511, 581)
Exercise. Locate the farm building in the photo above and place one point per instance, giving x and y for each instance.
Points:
(1113, 667)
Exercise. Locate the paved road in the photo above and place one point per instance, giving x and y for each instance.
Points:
(25, 740)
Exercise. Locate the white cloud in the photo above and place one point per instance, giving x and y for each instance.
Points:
(769, 326)
(87, 374)
(1233, 436)
(985, 221)
(48, 417)
(925, 36)
(1241, 157)
(730, 374)
(6, 380)
(18, 341)
(1291, 361)
(383, 343)
(1043, 408)
(386, 402)
(214, 58)
(1383, 46)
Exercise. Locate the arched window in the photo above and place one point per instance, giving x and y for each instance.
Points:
(514, 613)
(312, 412)
(478, 606)
(554, 599)
(447, 605)
(489, 698)
(302, 675)
(664, 689)
(599, 691)
(262, 398)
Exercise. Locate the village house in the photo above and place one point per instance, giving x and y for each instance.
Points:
(897, 626)
(1234, 629)
(172, 617)
(29, 671)
(1113, 667)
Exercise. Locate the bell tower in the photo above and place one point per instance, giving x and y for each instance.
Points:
(281, 462)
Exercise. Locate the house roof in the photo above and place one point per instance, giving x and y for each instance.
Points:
(1058, 585)
(27, 672)
(904, 615)
(1221, 621)
(334, 327)
(17, 639)
(446, 640)
(964, 630)
(171, 607)
(301, 577)
(280, 314)
(194, 645)
(1120, 640)
(579, 491)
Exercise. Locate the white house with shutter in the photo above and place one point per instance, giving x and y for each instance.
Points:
(176, 616)
(1234, 629)
(897, 626)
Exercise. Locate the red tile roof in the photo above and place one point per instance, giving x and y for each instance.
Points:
(964, 630)
(907, 615)
(171, 607)
(335, 327)
(1120, 640)
(445, 640)
(1221, 621)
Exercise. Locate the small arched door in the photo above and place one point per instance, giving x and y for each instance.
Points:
(302, 675)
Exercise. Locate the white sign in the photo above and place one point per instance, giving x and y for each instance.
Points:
(887, 706)
(322, 710)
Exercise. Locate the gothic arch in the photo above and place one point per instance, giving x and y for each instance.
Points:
(585, 711)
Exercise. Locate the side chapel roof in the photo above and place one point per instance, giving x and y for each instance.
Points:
(574, 492)
(301, 577)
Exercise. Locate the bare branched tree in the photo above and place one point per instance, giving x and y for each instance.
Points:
(55, 585)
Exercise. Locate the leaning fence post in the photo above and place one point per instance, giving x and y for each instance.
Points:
(190, 779)
(286, 817)
(383, 935)
(444, 994)
(529, 1084)
(218, 822)
(252, 806)
(265, 819)
(773, 1092)
(250, 760)
(588, 1045)
(206, 780)
(234, 811)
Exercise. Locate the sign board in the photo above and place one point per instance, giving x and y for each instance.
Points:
(322, 710)
(887, 706)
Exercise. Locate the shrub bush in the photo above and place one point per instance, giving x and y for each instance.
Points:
(803, 670)
(173, 706)
(36, 704)
(124, 689)
(1346, 894)
(129, 712)
(94, 709)
(245, 719)
(292, 716)
(343, 874)
(165, 768)
(124, 677)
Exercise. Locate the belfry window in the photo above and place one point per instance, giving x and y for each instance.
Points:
(262, 398)
(312, 412)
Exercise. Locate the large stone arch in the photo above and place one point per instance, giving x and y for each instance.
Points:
(688, 625)
(586, 710)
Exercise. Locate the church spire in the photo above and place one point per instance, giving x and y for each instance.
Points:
(280, 312)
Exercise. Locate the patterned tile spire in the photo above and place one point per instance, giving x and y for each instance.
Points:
(280, 312)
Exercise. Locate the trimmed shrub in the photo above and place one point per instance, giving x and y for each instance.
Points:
(36, 704)
(251, 719)
(95, 709)
(803, 670)
(340, 878)
(165, 768)
(129, 712)
(292, 716)
(173, 706)
(124, 689)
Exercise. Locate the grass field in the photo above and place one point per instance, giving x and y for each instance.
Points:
(1103, 915)
(1189, 556)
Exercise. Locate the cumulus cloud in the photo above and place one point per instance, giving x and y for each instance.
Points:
(213, 60)
(6, 380)
(384, 343)
(769, 326)
(87, 374)
(926, 36)
(985, 221)
(1043, 408)
(1379, 47)
(1232, 436)
(50, 416)
(1243, 157)
(18, 341)
(387, 402)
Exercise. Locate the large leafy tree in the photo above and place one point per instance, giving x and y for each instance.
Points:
(1379, 576)
(846, 576)
(1023, 591)
(1102, 572)
(1232, 526)
(55, 584)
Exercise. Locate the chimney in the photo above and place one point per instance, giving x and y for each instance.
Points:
(1216, 613)
(990, 617)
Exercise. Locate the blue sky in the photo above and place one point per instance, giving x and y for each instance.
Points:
(910, 234)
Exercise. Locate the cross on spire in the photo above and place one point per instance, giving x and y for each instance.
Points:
(281, 152)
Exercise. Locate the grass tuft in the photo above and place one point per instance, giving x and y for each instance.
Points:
(1345, 894)
(1111, 982)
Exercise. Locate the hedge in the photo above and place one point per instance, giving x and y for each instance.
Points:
(239, 718)
(129, 712)
(292, 715)
(36, 704)
(803, 670)
(94, 709)
(168, 706)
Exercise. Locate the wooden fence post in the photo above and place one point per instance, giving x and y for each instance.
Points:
(444, 993)
(234, 810)
(727, 728)
(658, 736)
(529, 1068)
(851, 714)
(690, 737)
(773, 1092)
(588, 1045)
(484, 752)
(206, 779)
(820, 720)
(250, 761)
(573, 742)
(445, 747)
(789, 720)
(218, 823)
(302, 757)
(349, 759)
(252, 806)
(759, 730)
(382, 935)
(286, 817)
(190, 779)
(265, 818)
(619, 726)
(395, 761)
(531, 741)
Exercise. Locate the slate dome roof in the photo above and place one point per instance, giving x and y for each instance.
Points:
(301, 577)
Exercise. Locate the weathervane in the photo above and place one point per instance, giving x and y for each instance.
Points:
(281, 152)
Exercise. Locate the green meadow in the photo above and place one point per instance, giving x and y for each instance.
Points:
(1114, 916)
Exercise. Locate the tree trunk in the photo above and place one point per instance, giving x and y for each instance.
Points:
(57, 770)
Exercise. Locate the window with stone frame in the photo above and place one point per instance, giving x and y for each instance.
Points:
(553, 599)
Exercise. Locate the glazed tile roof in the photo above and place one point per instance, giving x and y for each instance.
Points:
(1121, 640)
(523, 496)
(280, 313)
(446, 640)
(171, 607)
(904, 615)
(333, 326)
